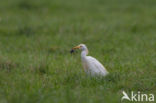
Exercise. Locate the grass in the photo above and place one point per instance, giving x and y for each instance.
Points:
(36, 37)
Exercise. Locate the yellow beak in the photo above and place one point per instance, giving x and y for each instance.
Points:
(77, 47)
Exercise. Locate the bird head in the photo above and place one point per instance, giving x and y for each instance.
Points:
(82, 47)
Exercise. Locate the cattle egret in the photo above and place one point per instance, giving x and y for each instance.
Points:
(91, 66)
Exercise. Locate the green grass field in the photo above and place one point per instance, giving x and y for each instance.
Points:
(37, 35)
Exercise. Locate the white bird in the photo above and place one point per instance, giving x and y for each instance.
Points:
(91, 66)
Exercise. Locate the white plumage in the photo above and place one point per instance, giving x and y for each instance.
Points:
(91, 65)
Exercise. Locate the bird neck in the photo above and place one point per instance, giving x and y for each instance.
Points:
(84, 53)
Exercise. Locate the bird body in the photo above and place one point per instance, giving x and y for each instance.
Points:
(91, 65)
